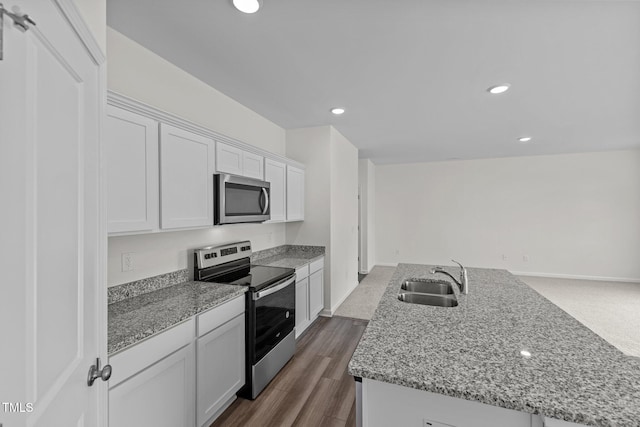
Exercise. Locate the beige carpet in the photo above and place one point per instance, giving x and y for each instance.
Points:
(610, 309)
(365, 297)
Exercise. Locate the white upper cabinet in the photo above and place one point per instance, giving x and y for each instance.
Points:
(228, 159)
(233, 160)
(295, 194)
(252, 165)
(131, 152)
(276, 174)
(186, 178)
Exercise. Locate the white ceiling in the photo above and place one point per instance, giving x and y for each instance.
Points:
(413, 74)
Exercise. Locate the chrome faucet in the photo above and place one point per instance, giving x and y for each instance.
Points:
(463, 284)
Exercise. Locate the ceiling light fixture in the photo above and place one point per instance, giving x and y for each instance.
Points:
(525, 353)
(247, 6)
(337, 111)
(524, 139)
(499, 88)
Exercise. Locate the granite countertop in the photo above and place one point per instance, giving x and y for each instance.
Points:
(290, 256)
(133, 319)
(472, 352)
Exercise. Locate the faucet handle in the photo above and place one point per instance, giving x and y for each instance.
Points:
(461, 266)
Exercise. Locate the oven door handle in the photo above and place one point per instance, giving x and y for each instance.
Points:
(273, 289)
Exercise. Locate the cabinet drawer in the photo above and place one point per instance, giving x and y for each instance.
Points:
(133, 360)
(209, 320)
(316, 265)
(302, 272)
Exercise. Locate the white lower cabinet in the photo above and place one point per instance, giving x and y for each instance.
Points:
(185, 376)
(384, 404)
(221, 368)
(162, 395)
(302, 305)
(316, 288)
(309, 294)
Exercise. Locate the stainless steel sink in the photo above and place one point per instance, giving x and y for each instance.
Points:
(427, 286)
(428, 299)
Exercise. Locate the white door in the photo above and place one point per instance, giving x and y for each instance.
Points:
(276, 174)
(53, 307)
(186, 178)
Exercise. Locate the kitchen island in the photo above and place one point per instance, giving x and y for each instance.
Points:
(504, 353)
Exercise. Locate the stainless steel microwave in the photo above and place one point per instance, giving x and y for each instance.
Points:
(238, 199)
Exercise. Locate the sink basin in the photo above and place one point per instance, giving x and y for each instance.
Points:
(427, 286)
(428, 299)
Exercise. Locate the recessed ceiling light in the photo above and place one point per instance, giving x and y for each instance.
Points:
(247, 6)
(524, 139)
(337, 111)
(525, 353)
(499, 88)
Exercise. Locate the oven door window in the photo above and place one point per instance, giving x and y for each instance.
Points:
(275, 318)
(243, 200)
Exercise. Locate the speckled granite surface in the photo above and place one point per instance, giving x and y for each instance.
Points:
(473, 352)
(290, 256)
(143, 286)
(134, 319)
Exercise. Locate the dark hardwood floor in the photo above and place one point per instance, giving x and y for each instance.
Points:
(313, 389)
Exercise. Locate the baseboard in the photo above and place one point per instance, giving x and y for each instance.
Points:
(363, 271)
(575, 276)
(329, 313)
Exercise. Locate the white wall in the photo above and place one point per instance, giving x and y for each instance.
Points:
(344, 218)
(331, 209)
(573, 215)
(137, 72)
(366, 182)
(311, 146)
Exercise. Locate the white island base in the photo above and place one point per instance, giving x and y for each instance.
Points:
(384, 404)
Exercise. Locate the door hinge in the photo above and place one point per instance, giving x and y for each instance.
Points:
(19, 21)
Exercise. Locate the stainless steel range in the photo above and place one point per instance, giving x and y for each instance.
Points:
(270, 308)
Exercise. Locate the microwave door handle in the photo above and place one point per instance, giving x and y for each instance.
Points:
(266, 200)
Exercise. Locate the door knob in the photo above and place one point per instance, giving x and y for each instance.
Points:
(95, 372)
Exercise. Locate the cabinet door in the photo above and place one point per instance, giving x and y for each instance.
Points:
(131, 153)
(221, 369)
(295, 194)
(186, 178)
(228, 159)
(162, 395)
(252, 165)
(316, 293)
(302, 305)
(276, 174)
